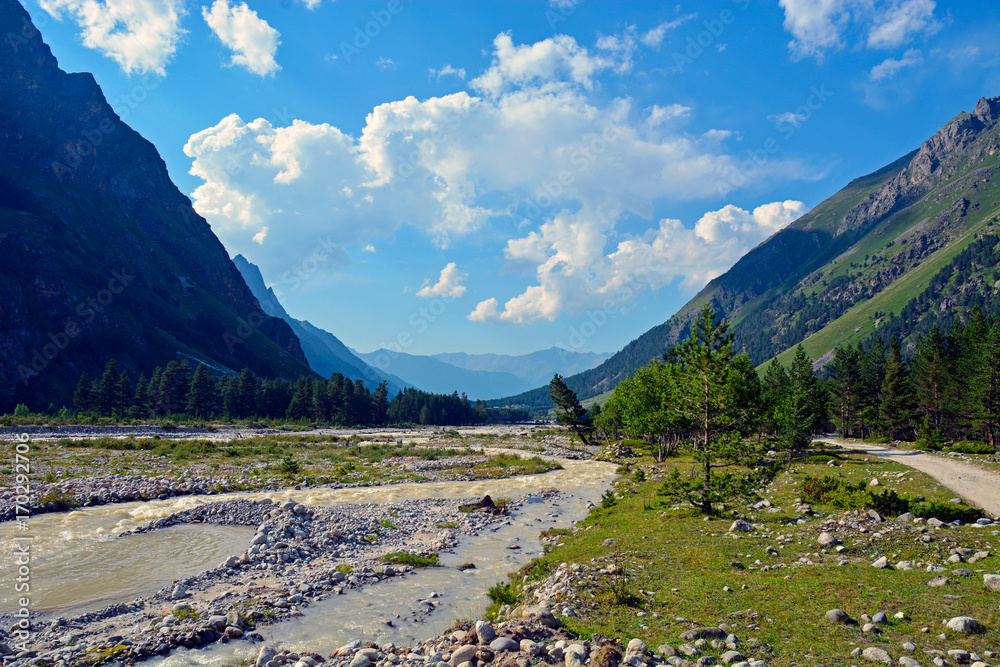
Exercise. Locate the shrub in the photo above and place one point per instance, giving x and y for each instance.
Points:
(502, 593)
(61, 499)
(416, 560)
(840, 493)
(608, 499)
(929, 438)
(946, 512)
(21, 410)
(288, 466)
(970, 447)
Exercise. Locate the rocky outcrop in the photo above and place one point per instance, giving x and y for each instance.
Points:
(933, 163)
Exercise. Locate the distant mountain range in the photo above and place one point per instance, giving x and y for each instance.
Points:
(100, 254)
(911, 245)
(486, 376)
(324, 351)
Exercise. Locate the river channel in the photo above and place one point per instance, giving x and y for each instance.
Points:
(80, 563)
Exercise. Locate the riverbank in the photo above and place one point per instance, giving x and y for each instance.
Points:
(298, 555)
(304, 550)
(777, 581)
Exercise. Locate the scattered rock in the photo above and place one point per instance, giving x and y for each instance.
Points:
(965, 625)
(875, 654)
(827, 540)
(740, 526)
(840, 616)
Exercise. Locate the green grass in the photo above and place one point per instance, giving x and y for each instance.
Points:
(416, 560)
(678, 565)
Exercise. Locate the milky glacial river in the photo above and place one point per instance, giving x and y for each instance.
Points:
(80, 564)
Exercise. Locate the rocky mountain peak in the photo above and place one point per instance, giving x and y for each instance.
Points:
(987, 109)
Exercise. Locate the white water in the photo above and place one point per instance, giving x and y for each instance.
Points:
(77, 563)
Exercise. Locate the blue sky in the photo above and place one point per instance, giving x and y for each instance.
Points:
(442, 176)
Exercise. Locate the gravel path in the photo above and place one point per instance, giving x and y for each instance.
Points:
(978, 487)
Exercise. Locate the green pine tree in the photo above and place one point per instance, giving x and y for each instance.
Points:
(898, 402)
(83, 397)
(568, 409)
(201, 397)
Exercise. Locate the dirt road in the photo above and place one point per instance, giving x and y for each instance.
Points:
(978, 487)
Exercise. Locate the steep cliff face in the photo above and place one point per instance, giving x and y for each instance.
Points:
(100, 254)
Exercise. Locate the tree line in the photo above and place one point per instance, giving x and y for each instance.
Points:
(177, 390)
(948, 388)
(703, 399)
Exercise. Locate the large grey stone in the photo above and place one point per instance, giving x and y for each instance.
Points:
(939, 581)
(992, 582)
(635, 647)
(965, 625)
(265, 655)
(542, 614)
(729, 657)
(881, 563)
(485, 632)
(840, 616)
(463, 654)
(875, 654)
(907, 661)
(825, 539)
(666, 650)
(740, 526)
(360, 660)
(504, 644)
(703, 633)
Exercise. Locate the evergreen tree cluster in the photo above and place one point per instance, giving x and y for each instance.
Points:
(705, 399)
(949, 389)
(175, 390)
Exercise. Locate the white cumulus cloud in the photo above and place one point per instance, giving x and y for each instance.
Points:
(819, 26)
(448, 70)
(900, 21)
(140, 35)
(575, 271)
(889, 67)
(253, 42)
(566, 163)
(449, 283)
(789, 118)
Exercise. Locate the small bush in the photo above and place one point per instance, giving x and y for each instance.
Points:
(845, 495)
(61, 499)
(21, 410)
(946, 512)
(970, 447)
(416, 560)
(289, 466)
(608, 499)
(502, 593)
(344, 568)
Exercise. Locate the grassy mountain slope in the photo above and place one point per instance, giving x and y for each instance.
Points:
(848, 266)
